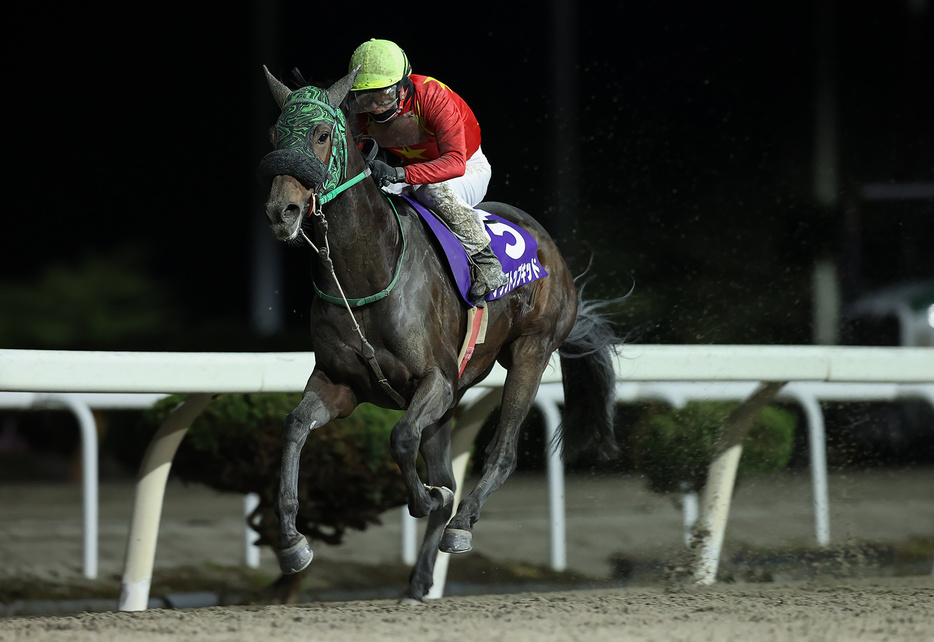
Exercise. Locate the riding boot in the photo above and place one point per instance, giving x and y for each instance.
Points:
(488, 275)
(486, 270)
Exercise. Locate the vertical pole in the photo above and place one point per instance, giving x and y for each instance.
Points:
(826, 296)
(89, 473)
(409, 537)
(715, 511)
(566, 144)
(826, 179)
(250, 550)
(90, 482)
(825, 291)
(688, 514)
(468, 425)
(718, 493)
(817, 444)
(147, 508)
(556, 512)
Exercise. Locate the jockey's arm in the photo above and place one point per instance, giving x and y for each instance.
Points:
(443, 119)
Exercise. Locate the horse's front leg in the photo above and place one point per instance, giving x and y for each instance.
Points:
(321, 402)
(431, 400)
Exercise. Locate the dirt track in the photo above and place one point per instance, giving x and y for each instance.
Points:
(855, 610)
(841, 599)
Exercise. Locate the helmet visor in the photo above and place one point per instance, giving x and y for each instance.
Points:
(376, 101)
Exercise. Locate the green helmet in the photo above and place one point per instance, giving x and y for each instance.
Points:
(382, 64)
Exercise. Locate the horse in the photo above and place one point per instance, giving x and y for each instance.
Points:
(387, 325)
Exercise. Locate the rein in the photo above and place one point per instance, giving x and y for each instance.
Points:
(324, 254)
(316, 210)
(329, 196)
(301, 109)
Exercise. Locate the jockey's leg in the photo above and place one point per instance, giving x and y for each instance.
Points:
(460, 217)
(454, 200)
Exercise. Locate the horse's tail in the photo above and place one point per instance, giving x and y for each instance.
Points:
(589, 383)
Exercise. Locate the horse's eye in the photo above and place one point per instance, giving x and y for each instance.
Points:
(323, 137)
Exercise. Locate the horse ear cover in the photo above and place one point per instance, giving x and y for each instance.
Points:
(279, 91)
(339, 90)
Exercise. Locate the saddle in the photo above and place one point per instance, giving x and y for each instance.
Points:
(515, 248)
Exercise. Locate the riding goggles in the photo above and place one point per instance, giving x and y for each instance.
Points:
(377, 100)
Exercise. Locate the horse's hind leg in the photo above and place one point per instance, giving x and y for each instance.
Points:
(322, 402)
(519, 391)
(436, 453)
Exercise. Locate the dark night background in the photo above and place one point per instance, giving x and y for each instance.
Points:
(684, 134)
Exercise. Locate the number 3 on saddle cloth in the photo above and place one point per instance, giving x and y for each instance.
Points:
(516, 250)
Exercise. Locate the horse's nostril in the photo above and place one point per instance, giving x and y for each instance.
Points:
(277, 213)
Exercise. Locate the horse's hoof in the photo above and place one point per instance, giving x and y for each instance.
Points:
(442, 493)
(456, 540)
(295, 558)
(410, 601)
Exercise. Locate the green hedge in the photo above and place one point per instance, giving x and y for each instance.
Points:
(673, 447)
(347, 476)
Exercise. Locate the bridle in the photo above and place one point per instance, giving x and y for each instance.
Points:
(323, 194)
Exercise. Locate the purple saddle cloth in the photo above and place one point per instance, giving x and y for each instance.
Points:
(515, 248)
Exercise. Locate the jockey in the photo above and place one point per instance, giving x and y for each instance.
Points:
(437, 137)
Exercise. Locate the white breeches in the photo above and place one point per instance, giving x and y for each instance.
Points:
(455, 199)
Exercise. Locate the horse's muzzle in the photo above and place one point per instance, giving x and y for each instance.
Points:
(285, 218)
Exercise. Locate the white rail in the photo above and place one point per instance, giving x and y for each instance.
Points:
(81, 405)
(155, 372)
(808, 395)
(207, 374)
(215, 372)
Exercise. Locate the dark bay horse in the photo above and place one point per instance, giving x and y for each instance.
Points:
(397, 345)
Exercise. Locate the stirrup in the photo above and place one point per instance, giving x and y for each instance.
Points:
(489, 275)
(479, 289)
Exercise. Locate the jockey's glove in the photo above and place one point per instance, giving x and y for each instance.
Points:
(385, 174)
